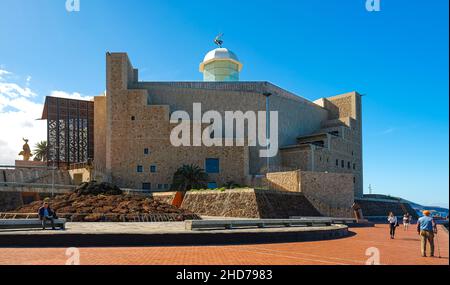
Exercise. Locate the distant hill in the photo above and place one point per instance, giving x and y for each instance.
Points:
(417, 207)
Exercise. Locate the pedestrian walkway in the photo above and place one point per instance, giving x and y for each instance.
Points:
(405, 249)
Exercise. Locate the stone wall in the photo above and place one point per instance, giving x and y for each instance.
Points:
(35, 175)
(330, 193)
(248, 203)
(284, 181)
(100, 138)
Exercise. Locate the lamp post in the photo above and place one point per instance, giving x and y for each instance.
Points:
(267, 95)
(53, 169)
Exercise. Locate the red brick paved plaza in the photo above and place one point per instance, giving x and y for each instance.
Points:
(347, 251)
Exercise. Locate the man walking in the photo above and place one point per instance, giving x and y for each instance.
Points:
(426, 227)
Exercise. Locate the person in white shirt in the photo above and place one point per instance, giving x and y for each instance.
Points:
(406, 221)
(393, 223)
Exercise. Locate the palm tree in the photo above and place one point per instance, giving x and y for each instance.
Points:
(189, 177)
(40, 151)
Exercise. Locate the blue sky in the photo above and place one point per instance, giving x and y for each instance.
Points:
(398, 57)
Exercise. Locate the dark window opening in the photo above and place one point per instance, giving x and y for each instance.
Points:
(146, 151)
(146, 186)
(212, 165)
(139, 168)
(153, 168)
(342, 163)
(133, 118)
(318, 143)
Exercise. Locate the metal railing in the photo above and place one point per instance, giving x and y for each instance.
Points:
(136, 218)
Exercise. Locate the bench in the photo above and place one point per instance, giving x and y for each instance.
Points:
(30, 223)
(333, 220)
(256, 223)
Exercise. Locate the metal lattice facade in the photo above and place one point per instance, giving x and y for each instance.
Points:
(70, 130)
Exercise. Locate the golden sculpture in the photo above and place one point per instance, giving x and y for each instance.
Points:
(26, 152)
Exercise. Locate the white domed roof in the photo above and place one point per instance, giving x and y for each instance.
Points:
(220, 54)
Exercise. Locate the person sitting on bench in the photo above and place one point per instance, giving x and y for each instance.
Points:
(46, 214)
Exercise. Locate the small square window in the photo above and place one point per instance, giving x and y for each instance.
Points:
(212, 165)
(139, 168)
(146, 151)
(152, 168)
(133, 118)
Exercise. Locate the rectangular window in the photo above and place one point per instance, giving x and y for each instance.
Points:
(146, 151)
(348, 165)
(337, 162)
(160, 186)
(354, 166)
(146, 186)
(166, 186)
(139, 168)
(342, 163)
(153, 168)
(212, 165)
(212, 185)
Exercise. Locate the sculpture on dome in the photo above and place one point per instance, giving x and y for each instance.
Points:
(218, 40)
(26, 151)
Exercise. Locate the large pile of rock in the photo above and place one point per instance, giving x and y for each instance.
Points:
(86, 204)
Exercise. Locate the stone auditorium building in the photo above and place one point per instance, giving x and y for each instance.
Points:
(127, 131)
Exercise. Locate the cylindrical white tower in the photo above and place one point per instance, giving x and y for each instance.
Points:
(220, 64)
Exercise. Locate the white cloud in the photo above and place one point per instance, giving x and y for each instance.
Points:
(74, 95)
(13, 90)
(3, 73)
(19, 111)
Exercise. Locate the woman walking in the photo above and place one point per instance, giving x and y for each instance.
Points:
(393, 223)
(406, 221)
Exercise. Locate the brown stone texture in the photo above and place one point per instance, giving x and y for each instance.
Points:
(248, 203)
(230, 203)
(111, 208)
(330, 193)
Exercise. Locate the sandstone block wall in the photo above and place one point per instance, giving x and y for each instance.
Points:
(330, 193)
(248, 203)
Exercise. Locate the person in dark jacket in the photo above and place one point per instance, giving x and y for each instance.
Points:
(46, 214)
